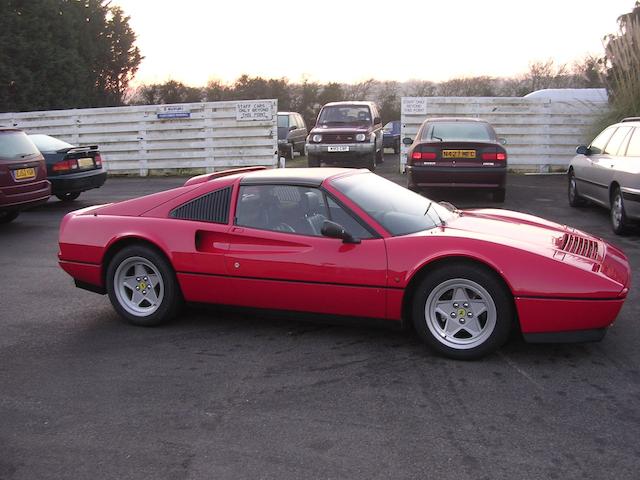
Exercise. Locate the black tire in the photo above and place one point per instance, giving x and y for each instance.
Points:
(396, 147)
(67, 196)
(479, 286)
(617, 213)
(313, 160)
(167, 291)
(371, 162)
(380, 156)
(499, 195)
(575, 200)
(8, 216)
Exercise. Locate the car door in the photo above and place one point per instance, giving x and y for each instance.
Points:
(587, 172)
(278, 258)
(604, 164)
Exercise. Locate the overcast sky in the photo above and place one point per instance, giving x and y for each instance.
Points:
(348, 41)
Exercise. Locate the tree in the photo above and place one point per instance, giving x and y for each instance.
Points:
(64, 54)
(622, 63)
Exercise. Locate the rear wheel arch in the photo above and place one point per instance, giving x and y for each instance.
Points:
(422, 272)
(123, 243)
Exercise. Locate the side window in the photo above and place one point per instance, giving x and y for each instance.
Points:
(616, 141)
(301, 122)
(597, 146)
(633, 150)
(282, 208)
(293, 121)
(212, 207)
(339, 215)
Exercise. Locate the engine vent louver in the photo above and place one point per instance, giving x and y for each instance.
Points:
(212, 207)
(579, 246)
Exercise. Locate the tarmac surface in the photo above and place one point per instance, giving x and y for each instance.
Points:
(217, 395)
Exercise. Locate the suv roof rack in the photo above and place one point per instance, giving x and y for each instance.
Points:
(631, 119)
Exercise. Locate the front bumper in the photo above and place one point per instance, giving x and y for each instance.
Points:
(78, 182)
(353, 148)
(476, 177)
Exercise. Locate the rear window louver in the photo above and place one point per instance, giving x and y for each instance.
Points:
(212, 207)
(578, 245)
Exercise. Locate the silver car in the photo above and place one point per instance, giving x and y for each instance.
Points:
(607, 172)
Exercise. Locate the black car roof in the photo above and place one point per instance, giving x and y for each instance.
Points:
(312, 177)
(455, 119)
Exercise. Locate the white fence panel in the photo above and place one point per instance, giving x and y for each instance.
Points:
(136, 139)
(540, 134)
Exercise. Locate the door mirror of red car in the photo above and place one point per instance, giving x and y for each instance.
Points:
(335, 230)
(583, 150)
(407, 141)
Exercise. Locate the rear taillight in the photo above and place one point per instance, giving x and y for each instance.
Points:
(494, 156)
(98, 160)
(65, 165)
(423, 156)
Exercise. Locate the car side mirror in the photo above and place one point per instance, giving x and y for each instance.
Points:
(377, 120)
(292, 128)
(407, 141)
(503, 141)
(583, 150)
(335, 230)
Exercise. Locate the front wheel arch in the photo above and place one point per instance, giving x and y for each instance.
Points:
(422, 272)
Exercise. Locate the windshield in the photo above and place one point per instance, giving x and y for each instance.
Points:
(461, 131)
(45, 143)
(398, 210)
(283, 121)
(15, 144)
(347, 114)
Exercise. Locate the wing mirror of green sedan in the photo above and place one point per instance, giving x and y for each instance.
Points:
(335, 230)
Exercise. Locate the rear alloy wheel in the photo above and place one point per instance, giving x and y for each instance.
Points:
(68, 196)
(619, 221)
(8, 216)
(499, 195)
(575, 200)
(463, 311)
(142, 286)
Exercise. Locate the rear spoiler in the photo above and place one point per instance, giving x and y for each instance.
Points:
(86, 148)
(224, 173)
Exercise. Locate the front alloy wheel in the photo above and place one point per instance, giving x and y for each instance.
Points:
(142, 286)
(463, 311)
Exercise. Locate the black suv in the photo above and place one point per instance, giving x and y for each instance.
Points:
(292, 134)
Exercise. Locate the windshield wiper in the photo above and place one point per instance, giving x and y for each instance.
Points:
(434, 211)
(437, 138)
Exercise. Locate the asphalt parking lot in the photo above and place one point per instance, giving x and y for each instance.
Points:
(218, 395)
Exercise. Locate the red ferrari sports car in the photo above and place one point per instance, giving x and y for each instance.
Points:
(347, 243)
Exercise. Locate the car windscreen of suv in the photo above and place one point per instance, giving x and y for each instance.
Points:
(15, 145)
(398, 210)
(345, 114)
(461, 131)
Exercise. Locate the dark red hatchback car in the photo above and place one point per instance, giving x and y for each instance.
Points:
(23, 174)
(457, 153)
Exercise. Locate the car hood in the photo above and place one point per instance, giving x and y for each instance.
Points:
(342, 129)
(541, 237)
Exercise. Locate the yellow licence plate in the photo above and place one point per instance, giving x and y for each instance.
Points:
(85, 162)
(24, 173)
(458, 154)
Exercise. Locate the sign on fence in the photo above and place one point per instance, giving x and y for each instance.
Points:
(258, 110)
